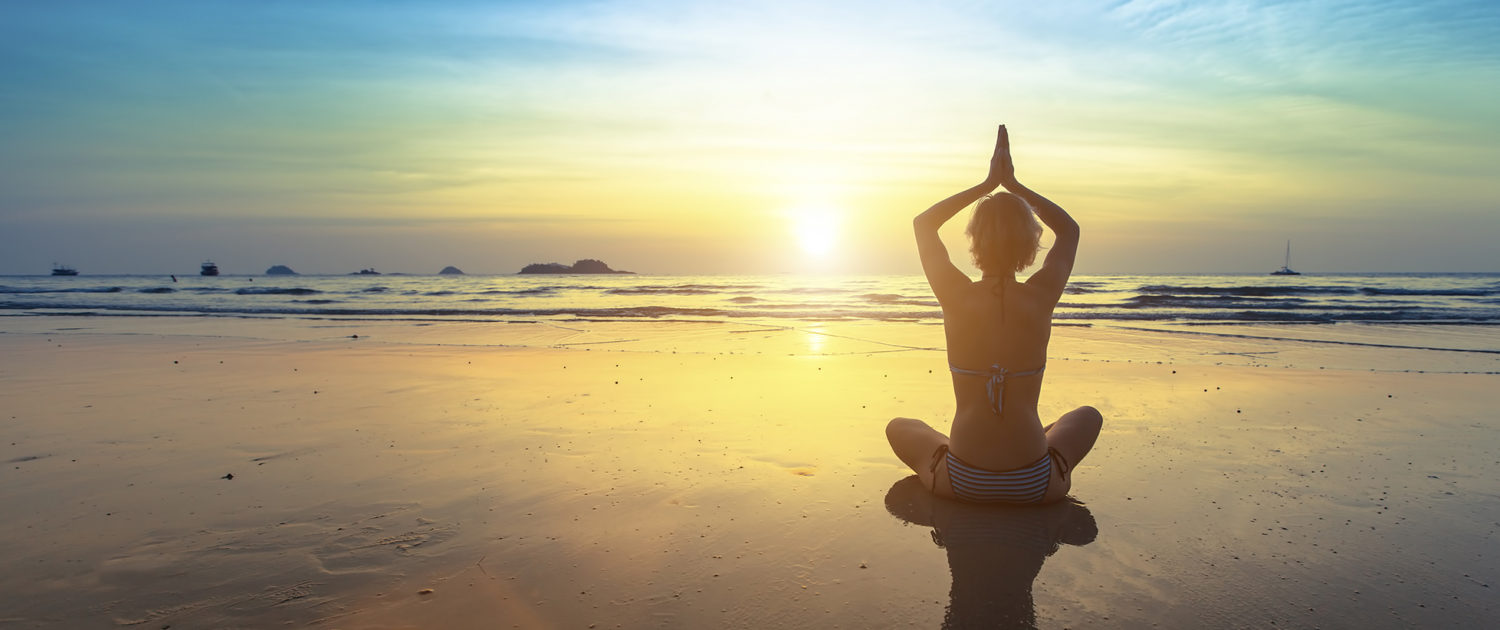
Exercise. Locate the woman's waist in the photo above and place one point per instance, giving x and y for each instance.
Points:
(996, 445)
(1014, 398)
(1018, 415)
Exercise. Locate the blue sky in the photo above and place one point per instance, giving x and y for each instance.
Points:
(682, 137)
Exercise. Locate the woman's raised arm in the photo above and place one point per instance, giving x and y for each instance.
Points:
(1053, 275)
(942, 275)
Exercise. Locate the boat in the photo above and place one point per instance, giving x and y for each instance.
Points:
(366, 272)
(63, 270)
(209, 269)
(1285, 269)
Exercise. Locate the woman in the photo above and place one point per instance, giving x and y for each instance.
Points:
(997, 331)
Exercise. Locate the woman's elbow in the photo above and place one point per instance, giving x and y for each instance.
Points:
(1068, 230)
(1067, 237)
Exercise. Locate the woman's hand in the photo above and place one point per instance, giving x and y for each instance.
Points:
(1002, 169)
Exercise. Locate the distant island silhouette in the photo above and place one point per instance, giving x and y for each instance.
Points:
(587, 265)
(280, 270)
(450, 270)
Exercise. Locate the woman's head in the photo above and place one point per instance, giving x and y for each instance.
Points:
(1004, 235)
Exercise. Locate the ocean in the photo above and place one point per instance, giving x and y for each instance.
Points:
(1454, 299)
(1400, 321)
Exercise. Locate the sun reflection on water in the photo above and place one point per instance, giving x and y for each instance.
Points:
(815, 340)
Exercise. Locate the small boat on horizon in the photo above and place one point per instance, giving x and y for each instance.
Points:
(366, 272)
(1286, 269)
(209, 269)
(63, 270)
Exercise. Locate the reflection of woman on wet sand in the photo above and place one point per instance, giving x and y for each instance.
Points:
(994, 552)
(997, 330)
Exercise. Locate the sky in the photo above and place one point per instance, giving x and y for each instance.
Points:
(748, 137)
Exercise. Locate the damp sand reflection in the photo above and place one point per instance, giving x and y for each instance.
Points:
(994, 552)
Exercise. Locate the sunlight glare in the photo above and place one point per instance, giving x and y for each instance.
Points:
(815, 340)
(816, 229)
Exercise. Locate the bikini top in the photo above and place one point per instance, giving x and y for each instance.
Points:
(995, 386)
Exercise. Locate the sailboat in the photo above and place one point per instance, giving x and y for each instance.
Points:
(1285, 269)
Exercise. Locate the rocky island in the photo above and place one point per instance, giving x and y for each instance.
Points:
(587, 265)
(280, 270)
(450, 270)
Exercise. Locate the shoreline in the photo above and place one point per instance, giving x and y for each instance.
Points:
(618, 483)
(1356, 346)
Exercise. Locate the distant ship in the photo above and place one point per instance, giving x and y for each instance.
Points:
(366, 272)
(209, 269)
(1285, 270)
(63, 270)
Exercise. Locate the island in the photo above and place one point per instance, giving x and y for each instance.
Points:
(450, 270)
(280, 270)
(587, 265)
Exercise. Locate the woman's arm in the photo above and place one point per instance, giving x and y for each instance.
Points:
(942, 276)
(1053, 275)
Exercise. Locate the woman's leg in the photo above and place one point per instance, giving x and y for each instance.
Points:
(916, 443)
(1073, 436)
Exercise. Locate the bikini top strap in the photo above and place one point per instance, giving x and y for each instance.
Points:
(994, 370)
(1029, 372)
(994, 387)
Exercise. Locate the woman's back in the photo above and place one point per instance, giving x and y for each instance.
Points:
(989, 327)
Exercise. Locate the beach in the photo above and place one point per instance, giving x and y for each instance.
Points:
(595, 315)
(714, 474)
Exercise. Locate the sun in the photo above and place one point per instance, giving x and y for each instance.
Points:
(816, 229)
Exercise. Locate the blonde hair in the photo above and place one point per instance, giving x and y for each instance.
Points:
(1004, 235)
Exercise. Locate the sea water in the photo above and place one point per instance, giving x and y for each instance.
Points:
(1438, 311)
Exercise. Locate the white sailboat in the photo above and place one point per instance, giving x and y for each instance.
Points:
(1286, 269)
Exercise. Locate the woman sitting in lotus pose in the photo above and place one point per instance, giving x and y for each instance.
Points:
(997, 330)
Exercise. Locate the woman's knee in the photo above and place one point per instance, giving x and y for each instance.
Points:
(899, 426)
(1089, 416)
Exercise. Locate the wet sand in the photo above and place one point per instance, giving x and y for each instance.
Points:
(718, 475)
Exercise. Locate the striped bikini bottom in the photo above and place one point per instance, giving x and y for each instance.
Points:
(1027, 484)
